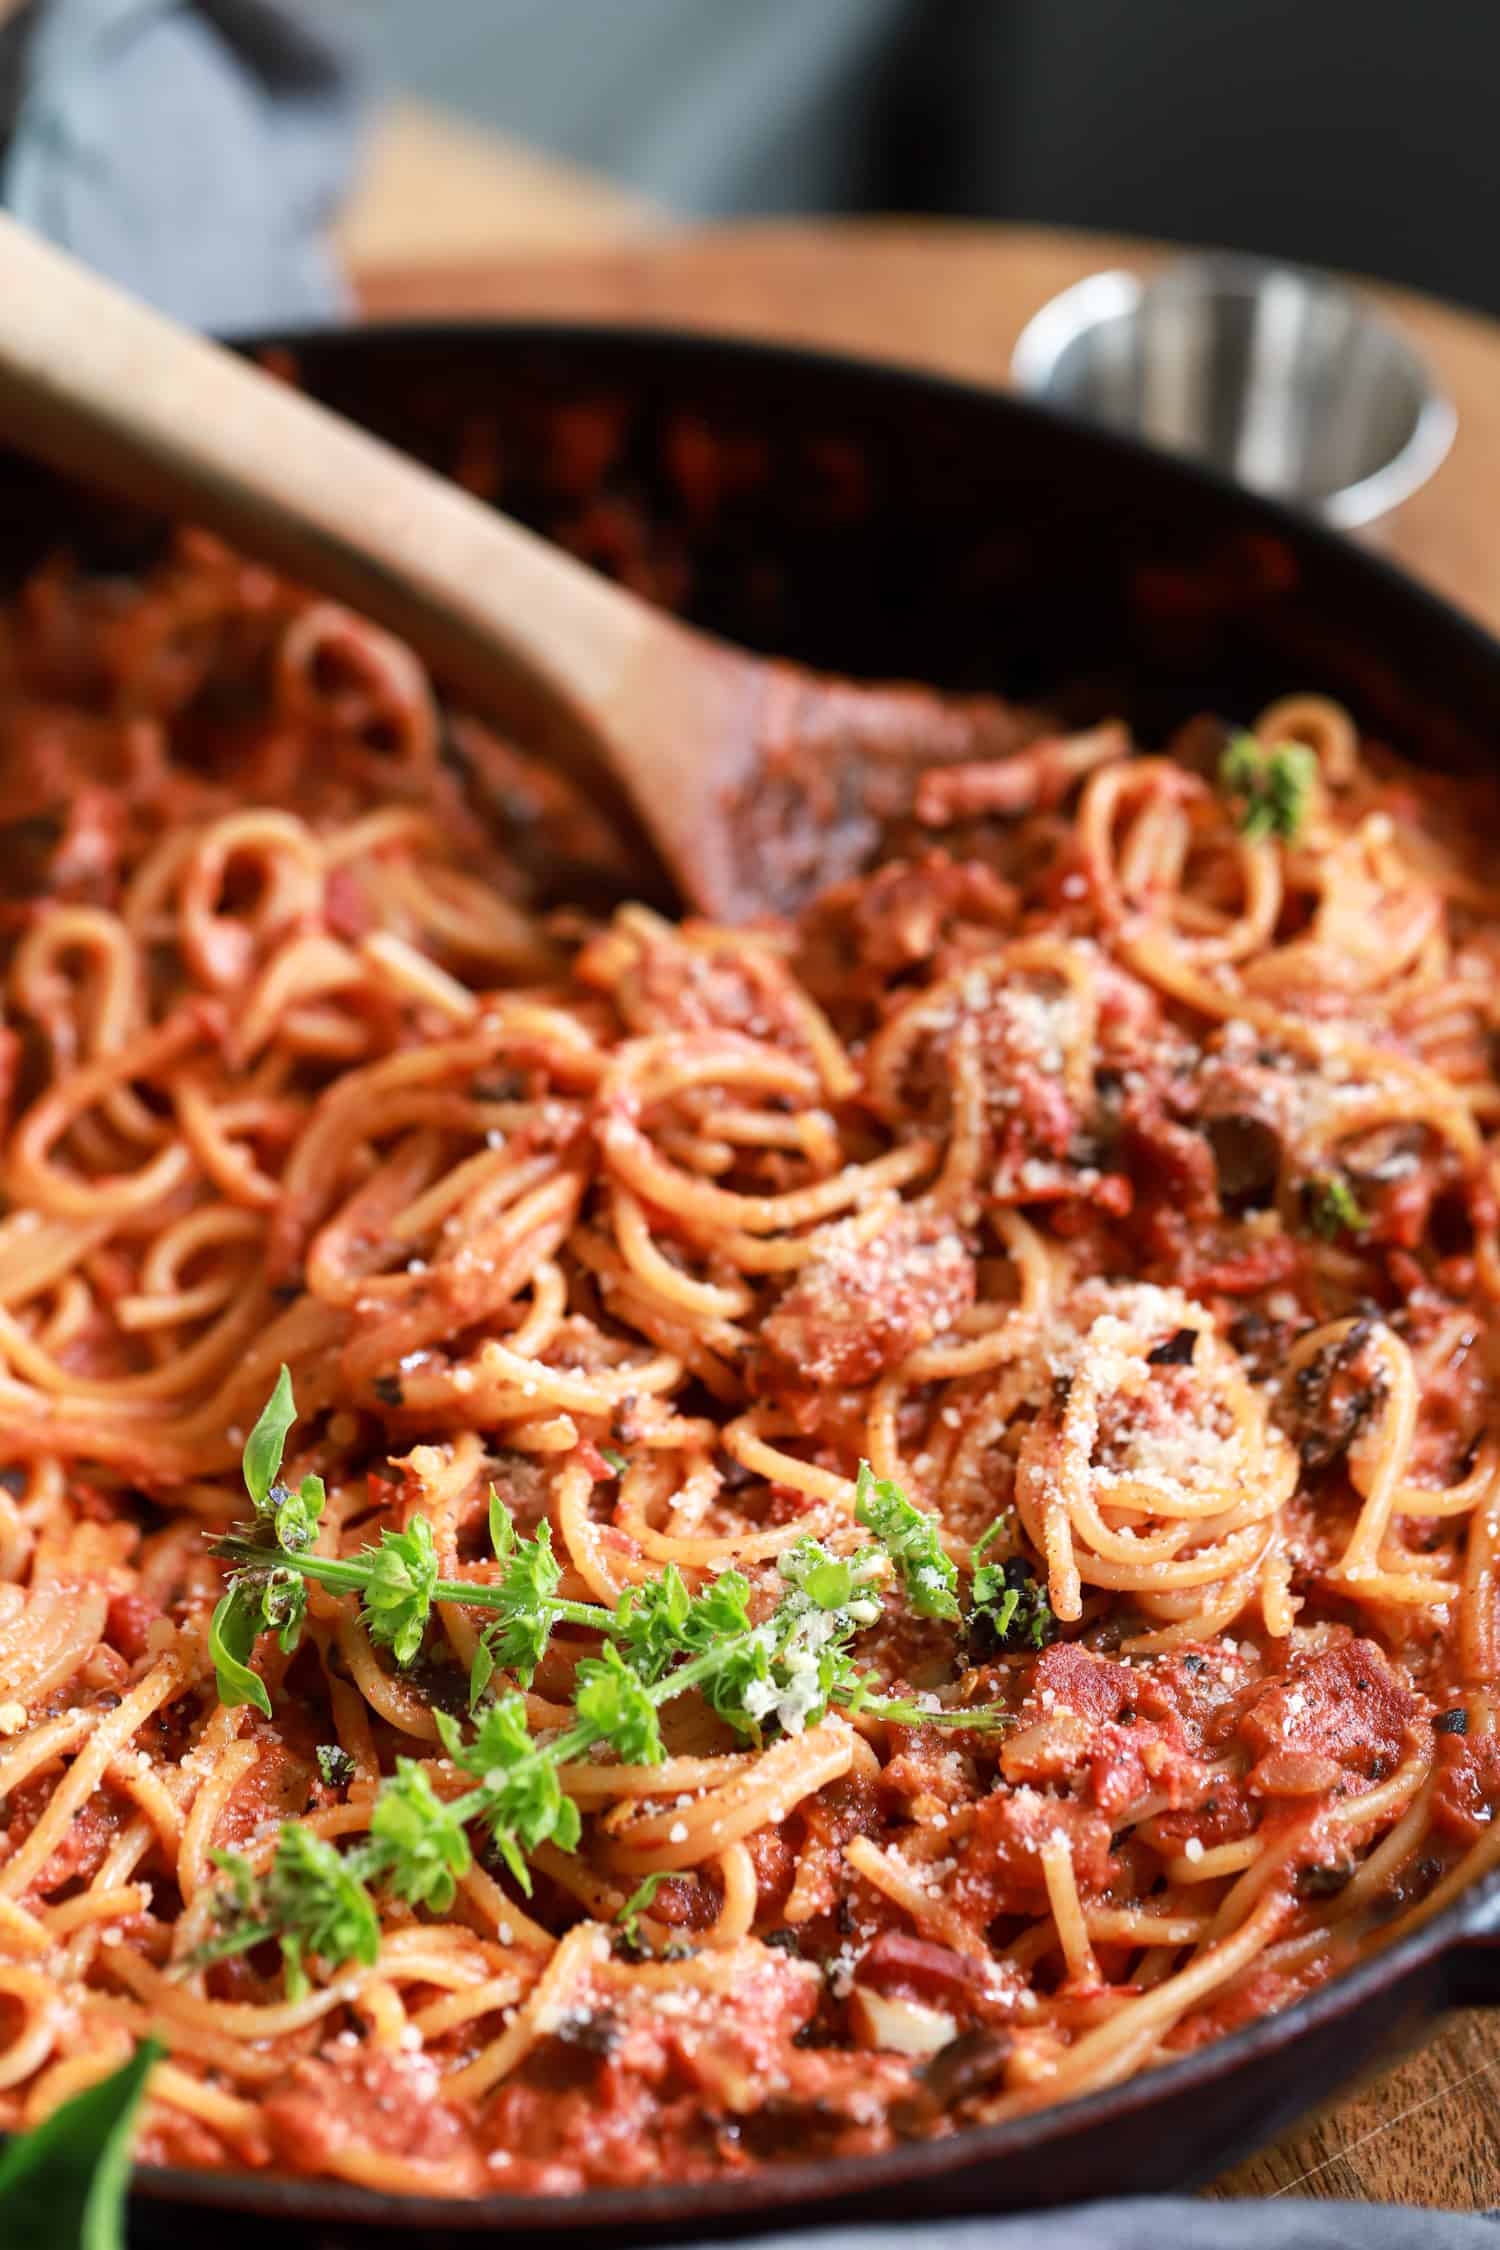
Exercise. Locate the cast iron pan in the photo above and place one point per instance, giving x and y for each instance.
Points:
(885, 523)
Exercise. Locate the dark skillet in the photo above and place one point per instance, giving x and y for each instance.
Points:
(880, 523)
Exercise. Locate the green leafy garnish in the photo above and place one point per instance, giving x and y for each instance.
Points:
(526, 1600)
(270, 1593)
(1009, 1603)
(619, 1462)
(519, 1797)
(659, 1642)
(910, 1538)
(63, 2184)
(267, 1441)
(660, 1621)
(335, 1765)
(1020, 1617)
(1333, 1208)
(617, 1703)
(397, 1579)
(416, 1843)
(310, 1899)
(1274, 784)
(233, 1630)
(627, 1921)
(399, 1589)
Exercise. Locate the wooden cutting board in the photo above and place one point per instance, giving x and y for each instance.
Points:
(954, 297)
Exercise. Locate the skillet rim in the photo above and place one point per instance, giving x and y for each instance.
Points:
(815, 2190)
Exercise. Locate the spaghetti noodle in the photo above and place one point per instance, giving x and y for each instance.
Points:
(1111, 1170)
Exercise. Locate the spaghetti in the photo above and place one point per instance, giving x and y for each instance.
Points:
(1111, 1170)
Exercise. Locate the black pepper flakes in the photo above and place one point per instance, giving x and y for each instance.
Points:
(1451, 1722)
(388, 1390)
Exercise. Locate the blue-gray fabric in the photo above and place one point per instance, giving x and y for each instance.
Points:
(195, 153)
(1153, 2222)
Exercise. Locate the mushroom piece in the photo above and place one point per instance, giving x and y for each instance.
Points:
(1247, 1159)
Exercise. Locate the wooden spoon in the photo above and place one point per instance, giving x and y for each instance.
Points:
(757, 783)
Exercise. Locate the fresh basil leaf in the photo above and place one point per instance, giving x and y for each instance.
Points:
(267, 1441)
(63, 2185)
(232, 1634)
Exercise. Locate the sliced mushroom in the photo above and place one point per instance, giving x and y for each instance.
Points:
(1247, 1157)
(972, 2062)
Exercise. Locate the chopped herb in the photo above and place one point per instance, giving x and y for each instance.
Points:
(387, 1389)
(63, 2184)
(1333, 1207)
(335, 1765)
(639, 1903)
(1451, 1722)
(1274, 784)
(910, 1538)
(619, 1462)
(1009, 1607)
(310, 1899)
(1003, 1527)
(1177, 1351)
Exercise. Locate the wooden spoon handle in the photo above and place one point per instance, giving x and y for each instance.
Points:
(106, 389)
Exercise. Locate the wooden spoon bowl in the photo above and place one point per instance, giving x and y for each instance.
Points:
(756, 782)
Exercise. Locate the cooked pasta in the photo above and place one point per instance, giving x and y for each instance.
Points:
(1107, 1179)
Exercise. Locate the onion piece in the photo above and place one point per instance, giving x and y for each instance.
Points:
(898, 2026)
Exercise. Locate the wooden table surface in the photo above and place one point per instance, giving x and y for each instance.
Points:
(954, 297)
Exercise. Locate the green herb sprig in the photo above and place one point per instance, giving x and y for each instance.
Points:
(784, 1669)
(396, 1580)
(1275, 785)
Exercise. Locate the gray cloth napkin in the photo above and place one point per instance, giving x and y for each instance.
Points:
(1160, 2222)
(194, 150)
